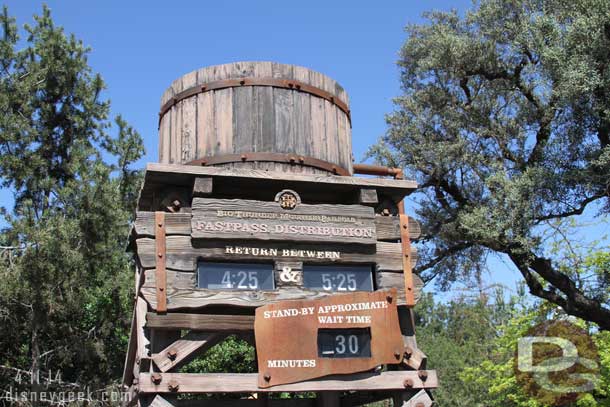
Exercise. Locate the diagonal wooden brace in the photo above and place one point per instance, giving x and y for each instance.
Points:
(185, 349)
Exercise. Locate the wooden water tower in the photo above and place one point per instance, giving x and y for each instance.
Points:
(253, 223)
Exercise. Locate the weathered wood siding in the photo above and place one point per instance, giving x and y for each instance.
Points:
(255, 118)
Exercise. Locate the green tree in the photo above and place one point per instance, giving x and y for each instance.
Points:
(64, 297)
(505, 123)
(457, 335)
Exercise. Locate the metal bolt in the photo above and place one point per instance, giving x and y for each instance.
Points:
(407, 255)
(385, 212)
(172, 353)
(203, 88)
(176, 203)
(301, 159)
(408, 383)
(160, 254)
(244, 157)
(156, 378)
(423, 375)
(160, 224)
(397, 354)
(242, 82)
(267, 377)
(292, 159)
(173, 385)
(408, 352)
(389, 298)
(405, 226)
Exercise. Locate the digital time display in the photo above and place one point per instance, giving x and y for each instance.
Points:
(344, 343)
(338, 278)
(235, 276)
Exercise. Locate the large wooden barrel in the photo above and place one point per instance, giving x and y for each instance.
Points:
(261, 115)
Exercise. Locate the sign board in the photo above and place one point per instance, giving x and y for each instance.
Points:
(340, 334)
(261, 220)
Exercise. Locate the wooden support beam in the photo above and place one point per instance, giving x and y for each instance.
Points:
(414, 358)
(132, 348)
(260, 402)
(328, 399)
(406, 260)
(201, 322)
(202, 186)
(421, 399)
(248, 383)
(367, 196)
(184, 349)
(160, 254)
(159, 401)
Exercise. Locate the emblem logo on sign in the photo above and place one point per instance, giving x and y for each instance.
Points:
(288, 199)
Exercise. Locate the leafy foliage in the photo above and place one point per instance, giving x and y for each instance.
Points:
(65, 300)
(505, 123)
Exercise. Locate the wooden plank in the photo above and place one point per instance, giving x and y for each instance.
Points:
(283, 107)
(182, 292)
(244, 109)
(387, 280)
(200, 322)
(206, 124)
(247, 383)
(164, 137)
(387, 227)
(160, 255)
(223, 114)
(260, 401)
(184, 350)
(188, 134)
(260, 220)
(332, 136)
(367, 196)
(202, 187)
(159, 401)
(421, 399)
(318, 119)
(175, 224)
(182, 298)
(132, 350)
(176, 125)
(265, 132)
(143, 342)
(182, 256)
(382, 185)
(302, 115)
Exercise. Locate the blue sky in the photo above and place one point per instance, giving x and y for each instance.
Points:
(140, 47)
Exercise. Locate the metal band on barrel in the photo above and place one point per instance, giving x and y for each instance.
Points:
(273, 82)
(293, 159)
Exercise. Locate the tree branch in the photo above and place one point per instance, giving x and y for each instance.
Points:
(574, 302)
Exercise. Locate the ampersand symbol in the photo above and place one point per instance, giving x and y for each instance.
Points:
(289, 276)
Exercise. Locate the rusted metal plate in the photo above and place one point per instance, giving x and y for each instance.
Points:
(160, 277)
(307, 339)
